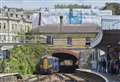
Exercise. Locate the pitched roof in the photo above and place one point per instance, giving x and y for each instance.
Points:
(67, 28)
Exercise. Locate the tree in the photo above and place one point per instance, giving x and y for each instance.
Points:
(24, 58)
(72, 6)
(115, 7)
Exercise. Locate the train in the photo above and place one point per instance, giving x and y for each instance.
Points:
(47, 65)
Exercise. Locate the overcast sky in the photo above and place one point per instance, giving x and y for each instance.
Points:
(50, 3)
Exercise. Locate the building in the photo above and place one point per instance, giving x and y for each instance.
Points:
(13, 22)
(70, 16)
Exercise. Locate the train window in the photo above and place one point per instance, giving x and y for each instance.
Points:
(50, 61)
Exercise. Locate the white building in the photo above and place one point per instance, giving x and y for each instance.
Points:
(13, 22)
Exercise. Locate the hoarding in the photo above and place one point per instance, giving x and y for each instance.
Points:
(76, 16)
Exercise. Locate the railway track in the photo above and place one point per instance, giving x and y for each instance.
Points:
(54, 78)
(79, 76)
(74, 78)
(90, 76)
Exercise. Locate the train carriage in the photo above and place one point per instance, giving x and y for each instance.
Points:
(47, 65)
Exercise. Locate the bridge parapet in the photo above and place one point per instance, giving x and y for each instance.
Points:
(8, 77)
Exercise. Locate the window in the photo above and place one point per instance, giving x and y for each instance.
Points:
(12, 26)
(28, 29)
(69, 41)
(6, 54)
(11, 15)
(49, 40)
(15, 25)
(4, 38)
(88, 41)
(4, 26)
(0, 37)
(21, 15)
(0, 25)
(16, 15)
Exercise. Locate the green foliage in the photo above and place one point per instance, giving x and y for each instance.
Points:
(24, 58)
(115, 7)
(72, 6)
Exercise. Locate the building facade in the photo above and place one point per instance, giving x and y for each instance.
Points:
(12, 23)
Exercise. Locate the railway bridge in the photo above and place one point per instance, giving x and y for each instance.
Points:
(65, 39)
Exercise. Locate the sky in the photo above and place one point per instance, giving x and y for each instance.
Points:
(32, 4)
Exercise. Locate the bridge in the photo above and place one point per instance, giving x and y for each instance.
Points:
(110, 33)
(105, 35)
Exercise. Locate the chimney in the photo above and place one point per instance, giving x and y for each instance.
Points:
(61, 23)
(39, 21)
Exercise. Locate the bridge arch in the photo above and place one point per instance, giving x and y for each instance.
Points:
(63, 54)
(68, 60)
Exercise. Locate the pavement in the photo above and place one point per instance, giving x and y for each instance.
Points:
(112, 78)
(109, 77)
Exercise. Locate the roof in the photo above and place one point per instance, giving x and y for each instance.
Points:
(110, 37)
(67, 28)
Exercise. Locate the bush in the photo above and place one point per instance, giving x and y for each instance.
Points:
(24, 58)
